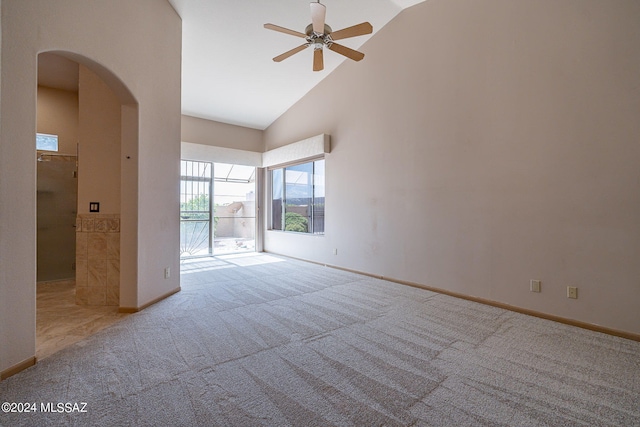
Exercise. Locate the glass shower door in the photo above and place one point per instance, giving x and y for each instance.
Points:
(57, 194)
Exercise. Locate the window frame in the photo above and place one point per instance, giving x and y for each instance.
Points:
(312, 207)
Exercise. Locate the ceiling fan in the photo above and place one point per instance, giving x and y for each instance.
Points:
(319, 35)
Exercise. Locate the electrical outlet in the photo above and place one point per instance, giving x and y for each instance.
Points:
(572, 292)
(535, 286)
(167, 272)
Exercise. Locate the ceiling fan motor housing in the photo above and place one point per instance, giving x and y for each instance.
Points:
(318, 41)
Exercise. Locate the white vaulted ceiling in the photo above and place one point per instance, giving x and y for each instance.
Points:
(227, 70)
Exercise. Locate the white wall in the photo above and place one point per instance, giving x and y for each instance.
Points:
(483, 144)
(140, 43)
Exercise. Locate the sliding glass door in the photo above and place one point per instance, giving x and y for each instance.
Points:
(217, 209)
(234, 195)
(195, 209)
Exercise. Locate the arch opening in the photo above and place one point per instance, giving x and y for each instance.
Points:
(106, 146)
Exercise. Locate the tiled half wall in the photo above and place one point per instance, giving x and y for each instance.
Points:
(98, 259)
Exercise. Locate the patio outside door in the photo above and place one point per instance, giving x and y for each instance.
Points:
(217, 209)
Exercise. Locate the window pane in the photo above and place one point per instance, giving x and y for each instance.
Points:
(222, 170)
(299, 197)
(234, 210)
(276, 199)
(241, 173)
(194, 197)
(318, 197)
(195, 213)
(193, 169)
(46, 142)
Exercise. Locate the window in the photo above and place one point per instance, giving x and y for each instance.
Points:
(297, 198)
(46, 142)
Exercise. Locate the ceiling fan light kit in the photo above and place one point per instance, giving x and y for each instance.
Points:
(319, 35)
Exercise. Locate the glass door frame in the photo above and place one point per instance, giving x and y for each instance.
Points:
(206, 173)
(184, 178)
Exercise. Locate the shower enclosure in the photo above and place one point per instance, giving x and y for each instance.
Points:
(57, 193)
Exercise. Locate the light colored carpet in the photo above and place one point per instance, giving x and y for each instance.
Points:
(260, 340)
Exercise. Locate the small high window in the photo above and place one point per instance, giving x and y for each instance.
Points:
(297, 198)
(46, 142)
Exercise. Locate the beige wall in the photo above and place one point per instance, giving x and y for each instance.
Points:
(481, 144)
(143, 68)
(99, 145)
(208, 132)
(58, 115)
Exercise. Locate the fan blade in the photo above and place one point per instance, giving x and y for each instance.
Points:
(318, 15)
(356, 30)
(318, 60)
(284, 30)
(290, 53)
(348, 52)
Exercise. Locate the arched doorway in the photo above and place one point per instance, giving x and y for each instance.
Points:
(105, 132)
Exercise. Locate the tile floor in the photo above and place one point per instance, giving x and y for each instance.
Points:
(60, 322)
